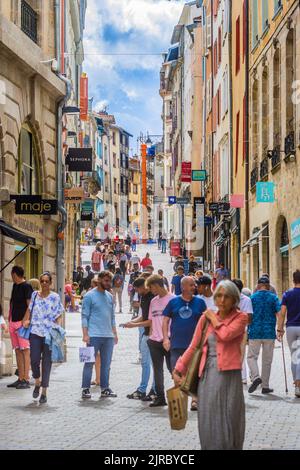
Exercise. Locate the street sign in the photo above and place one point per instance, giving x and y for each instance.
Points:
(172, 200)
(199, 175)
(199, 201)
(183, 200)
(158, 199)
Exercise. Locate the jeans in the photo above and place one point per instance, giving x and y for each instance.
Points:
(175, 355)
(39, 351)
(146, 365)
(267, 358)
(105, 346)
(134, 247)
(164, 246)
(141, 332)
(158, 353)
(293, 338)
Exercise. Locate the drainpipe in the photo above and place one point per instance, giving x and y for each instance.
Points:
(247, 222)
(231, 119)
(59, 165)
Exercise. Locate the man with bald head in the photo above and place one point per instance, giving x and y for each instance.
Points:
(184, 312)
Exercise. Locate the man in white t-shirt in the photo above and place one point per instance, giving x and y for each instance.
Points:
(205, 293)
(246, 307)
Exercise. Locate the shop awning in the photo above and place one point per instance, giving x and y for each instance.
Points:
(220, 241)
(253, 239)
(11, 232)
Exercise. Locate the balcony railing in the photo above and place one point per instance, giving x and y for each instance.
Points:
(254, 177)
(264, 168)
(29, 21)
(276, 157)
(289, 144)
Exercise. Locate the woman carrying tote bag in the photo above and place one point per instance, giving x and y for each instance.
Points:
(46, 311)
(221, 406)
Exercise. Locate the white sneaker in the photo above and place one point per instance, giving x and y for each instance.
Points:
(100, 394)
(297, 392)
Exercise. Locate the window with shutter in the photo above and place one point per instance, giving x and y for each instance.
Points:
(220, 45)
(208, 31)
(254, 23)
(237, 141)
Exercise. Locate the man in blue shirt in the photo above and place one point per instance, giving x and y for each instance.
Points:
(262, 333)
(176, 281)
(184, 313)
(99, 331)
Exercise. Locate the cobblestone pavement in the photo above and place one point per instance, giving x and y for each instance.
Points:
(66, 422)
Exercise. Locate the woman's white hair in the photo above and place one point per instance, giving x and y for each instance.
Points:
(231, 289)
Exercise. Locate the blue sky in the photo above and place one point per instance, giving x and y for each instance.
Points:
(124, 41)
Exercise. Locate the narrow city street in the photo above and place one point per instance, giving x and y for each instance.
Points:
(66, 422)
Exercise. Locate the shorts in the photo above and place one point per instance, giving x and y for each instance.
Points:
(16, 341)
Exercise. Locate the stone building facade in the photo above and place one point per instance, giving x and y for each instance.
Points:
(28, 140)
(273, 246)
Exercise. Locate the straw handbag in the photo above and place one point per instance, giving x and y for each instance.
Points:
(178, 408)
(190, 382)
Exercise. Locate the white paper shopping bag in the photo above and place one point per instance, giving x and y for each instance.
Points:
(87, 354)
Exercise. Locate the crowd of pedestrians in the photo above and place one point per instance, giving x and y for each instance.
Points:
(171, 317)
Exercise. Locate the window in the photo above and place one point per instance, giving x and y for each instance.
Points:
(224, 169)
(237, 46)
(220, 45)
(114, 160)
(114, 138)
(115, 185)
(225, 19)
(219, 105)
(215, 58)
(29, 21)
(265, 16)
(254, 23)
(208, 32)
(225, 93)
(244, 128)
(277, 6)
(28, 170)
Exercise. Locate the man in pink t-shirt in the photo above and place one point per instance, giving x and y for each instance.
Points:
(162, 297)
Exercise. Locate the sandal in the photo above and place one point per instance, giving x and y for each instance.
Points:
(137, 395)
(194, 406)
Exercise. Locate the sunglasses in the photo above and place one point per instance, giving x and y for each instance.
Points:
(45, 282)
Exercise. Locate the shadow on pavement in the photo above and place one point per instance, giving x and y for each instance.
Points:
(269, 397)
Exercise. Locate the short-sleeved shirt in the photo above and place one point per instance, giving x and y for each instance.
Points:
(176, 281)
(44, 312)
(246, 304)
(209, 301)
(265, 307)
(145, 306)
(146, 262)
(291, 300)
(157, 306)
(185, 316)
(20, 295)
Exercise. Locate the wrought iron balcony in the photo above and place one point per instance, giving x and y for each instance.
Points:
(29, 21)
(254, 177)
(289, 144)
(264, 168)
(276, 157)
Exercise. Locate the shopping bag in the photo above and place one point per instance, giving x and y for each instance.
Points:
(87, 354)
(178, 408)
(24, 332)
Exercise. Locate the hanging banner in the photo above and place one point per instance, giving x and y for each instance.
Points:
(199, 175)
(295, 233)
(80, 159)
(84, 97)
(237, 201)
(265, 192)
(186, 172)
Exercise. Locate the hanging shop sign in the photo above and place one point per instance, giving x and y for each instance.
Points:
(199, 175)
(295, 233)
(183, 200)
(172, 200)
(80, 159)
(237, 201)
(186, 172)
(198, 201)
(74, 195)
(84, 97)
(265, 192)
(219, 207)
(86, 216)
(35, 205)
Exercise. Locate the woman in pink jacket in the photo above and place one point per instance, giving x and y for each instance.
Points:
(221, 406)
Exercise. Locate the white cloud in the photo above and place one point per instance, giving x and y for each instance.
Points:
(101, 105)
